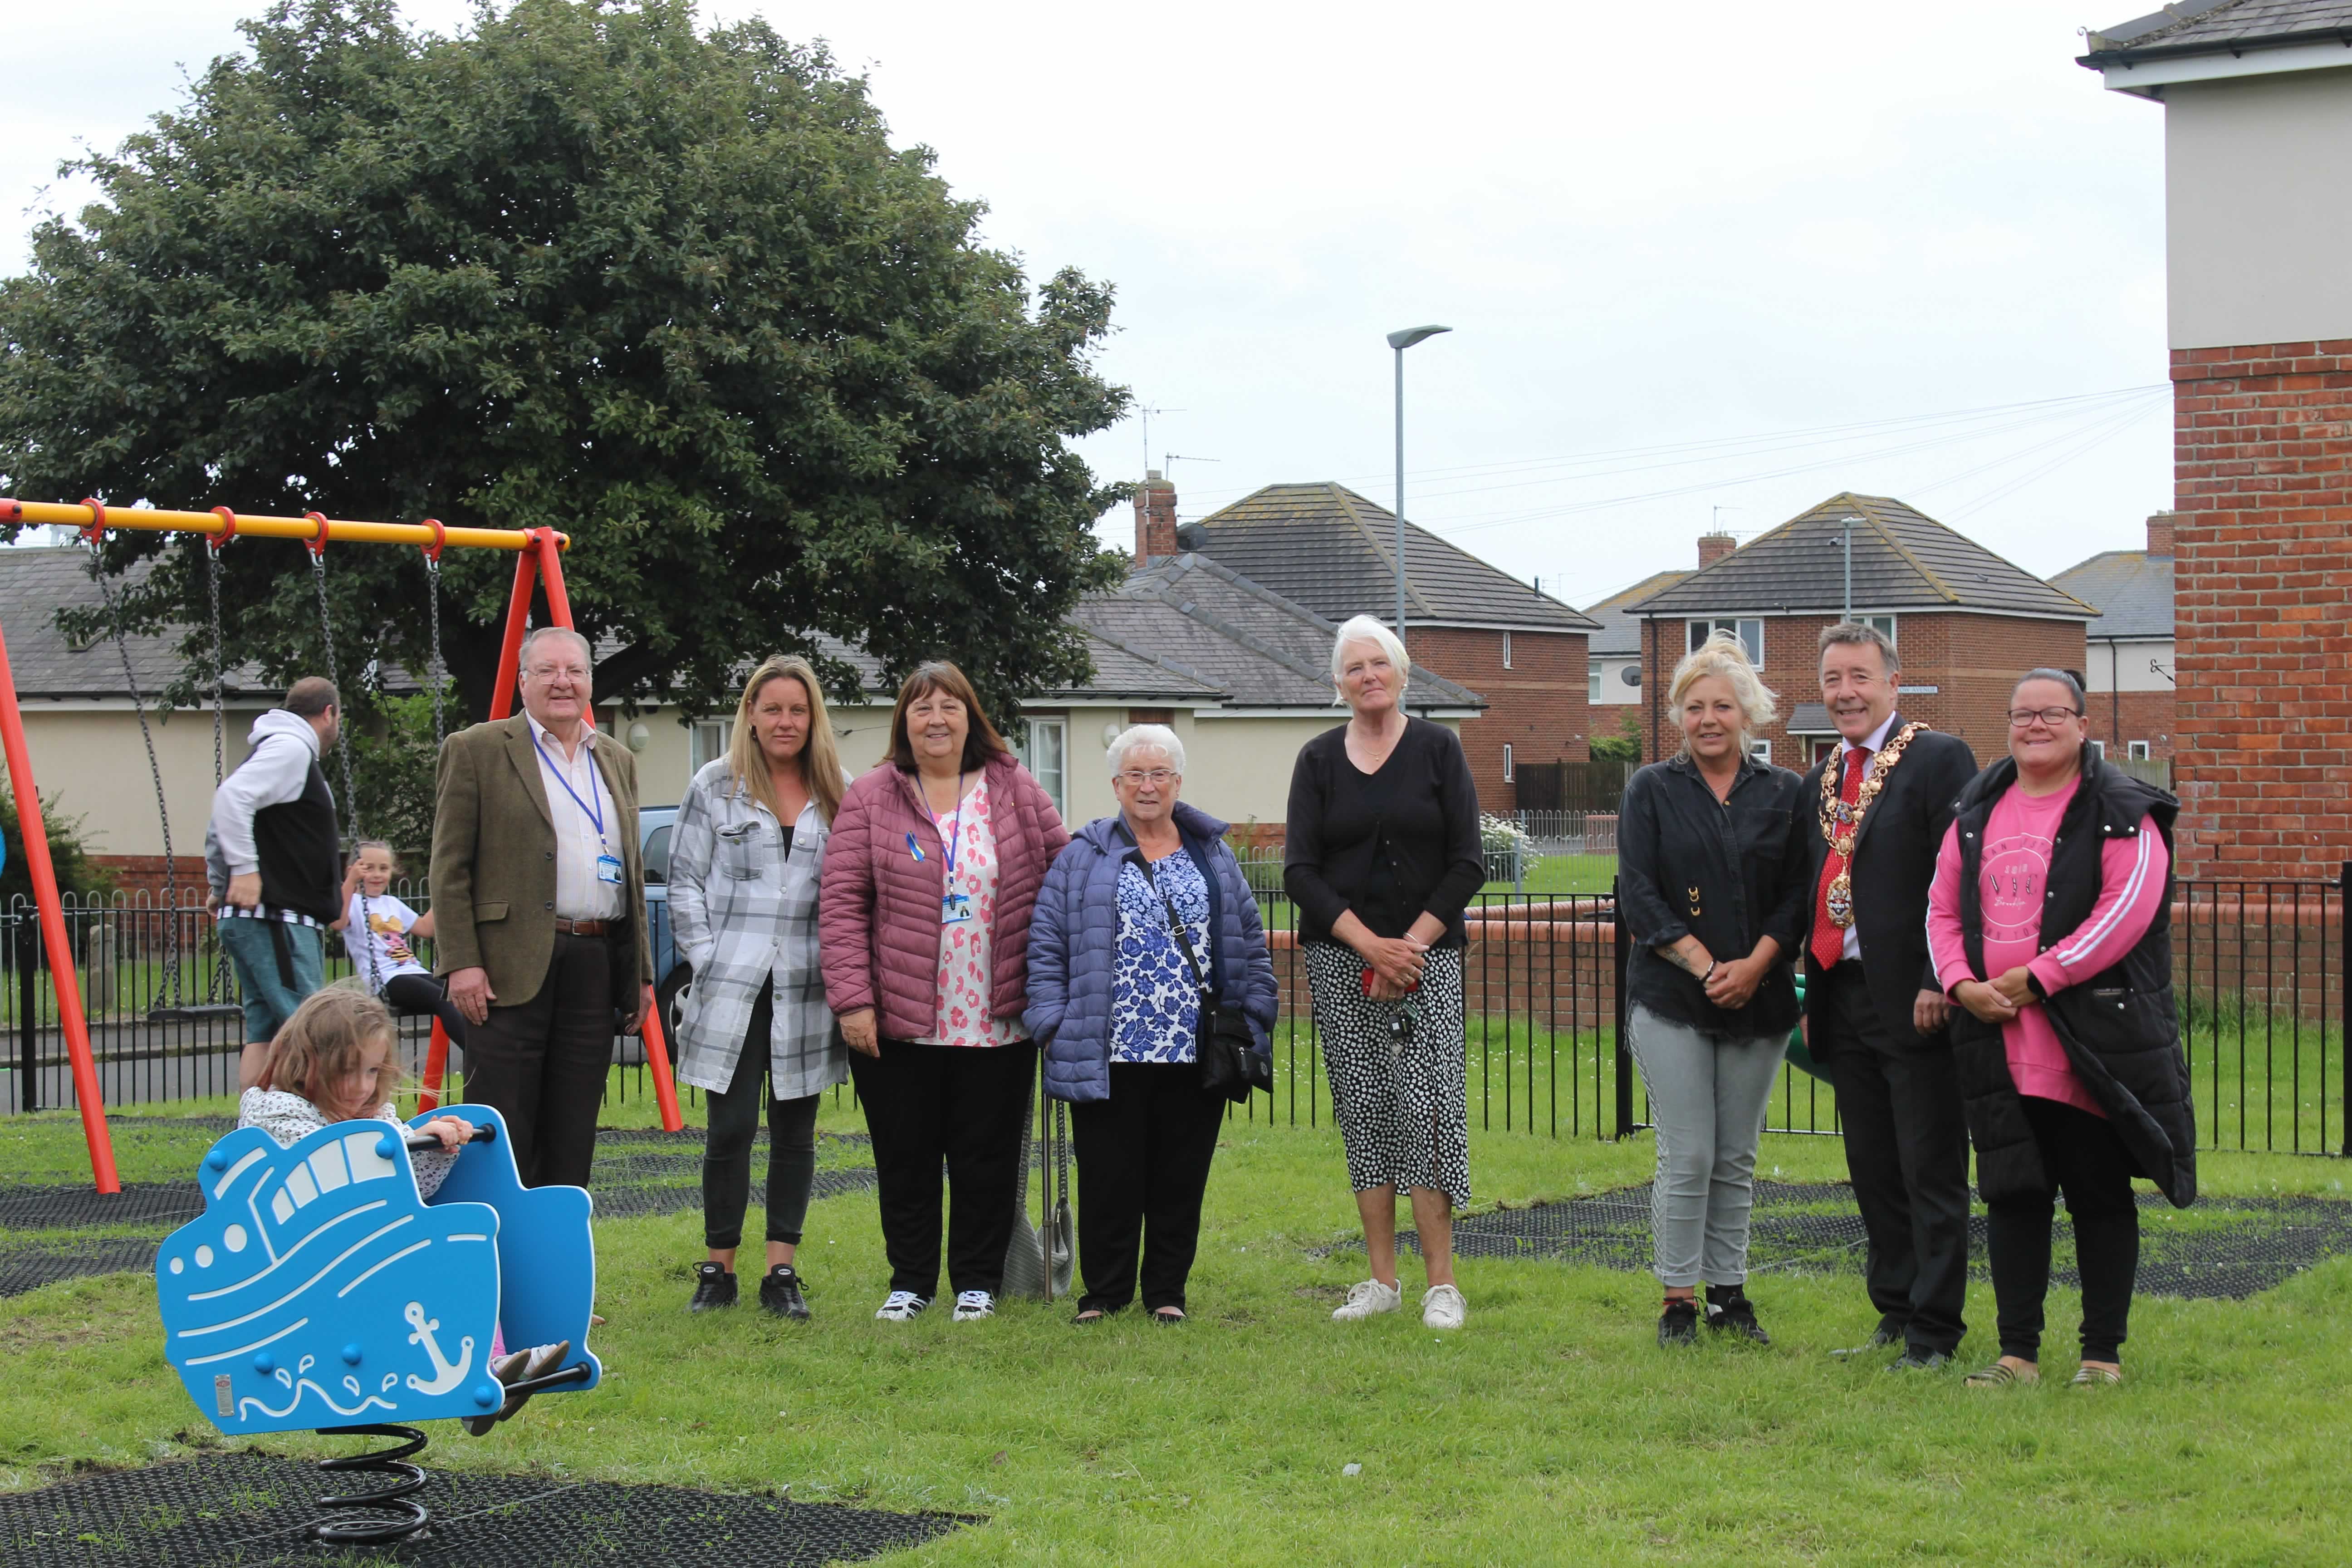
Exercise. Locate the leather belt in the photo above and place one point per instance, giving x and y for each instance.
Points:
(585, 927)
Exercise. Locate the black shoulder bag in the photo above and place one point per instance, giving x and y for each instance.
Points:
(1229, 1065)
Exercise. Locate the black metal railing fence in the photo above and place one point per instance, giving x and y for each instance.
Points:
(2259, 973)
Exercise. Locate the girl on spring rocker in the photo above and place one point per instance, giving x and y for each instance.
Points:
(334, 1062)
(378, 931)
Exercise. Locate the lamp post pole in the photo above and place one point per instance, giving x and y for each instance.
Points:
(1848, 523)
(1399, 341)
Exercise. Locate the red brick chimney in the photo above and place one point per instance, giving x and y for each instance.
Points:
(1714, 547)
(2159, 533)
(1155, 518)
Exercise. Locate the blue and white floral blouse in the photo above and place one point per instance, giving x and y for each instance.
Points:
(1155, 1007)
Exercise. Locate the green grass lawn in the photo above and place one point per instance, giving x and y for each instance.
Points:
(1551, 1430)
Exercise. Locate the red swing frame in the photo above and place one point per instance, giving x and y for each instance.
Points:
(539, 564)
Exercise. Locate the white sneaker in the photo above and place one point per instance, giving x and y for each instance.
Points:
(901, 1305)
(974, 1305)
(1442, 1307)
(1366, 1298)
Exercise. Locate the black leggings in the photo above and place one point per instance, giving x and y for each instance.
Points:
(2084, 1158)
(412, 992)
(727, 1146)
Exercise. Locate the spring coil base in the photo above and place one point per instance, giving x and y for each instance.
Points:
(397, 1500)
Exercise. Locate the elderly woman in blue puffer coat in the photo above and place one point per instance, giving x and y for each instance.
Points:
(1135, 907)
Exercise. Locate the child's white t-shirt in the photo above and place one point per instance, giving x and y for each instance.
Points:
(382, 927)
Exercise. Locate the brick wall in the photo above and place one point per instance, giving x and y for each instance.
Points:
(2119, 718)
(1537, 706)
(1971, 660)
(137, 875)
(2262, 569)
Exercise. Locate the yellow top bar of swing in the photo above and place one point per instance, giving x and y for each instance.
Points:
(76, 515)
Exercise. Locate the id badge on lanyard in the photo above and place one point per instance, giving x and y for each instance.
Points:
(608, 869)
(955, 908)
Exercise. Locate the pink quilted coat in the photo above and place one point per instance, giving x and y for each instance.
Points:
(878, 906)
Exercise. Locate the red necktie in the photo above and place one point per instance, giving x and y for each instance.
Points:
(1829, 937)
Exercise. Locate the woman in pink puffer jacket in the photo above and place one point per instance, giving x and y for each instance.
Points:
(931, 873)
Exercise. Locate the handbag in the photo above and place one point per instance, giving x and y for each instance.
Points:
(1230, 1064)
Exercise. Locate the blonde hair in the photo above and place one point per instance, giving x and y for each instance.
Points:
(1374, 631)
(819, 759)
(1723, 655)
(326, 1041)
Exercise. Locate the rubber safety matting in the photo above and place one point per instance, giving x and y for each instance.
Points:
(248, 1510)
(2226, 1247)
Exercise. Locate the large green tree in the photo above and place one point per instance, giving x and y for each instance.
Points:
(668, 290)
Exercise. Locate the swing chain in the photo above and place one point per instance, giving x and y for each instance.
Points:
(94, 536)
(433, 667)
(221, 982)
(343, 751)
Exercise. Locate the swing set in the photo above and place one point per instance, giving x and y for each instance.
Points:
(539, 565)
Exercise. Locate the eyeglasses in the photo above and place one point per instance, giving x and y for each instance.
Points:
(1136, 780)
(2018, 717)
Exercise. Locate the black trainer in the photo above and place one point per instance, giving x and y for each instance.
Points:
(1678, 1325)
(713, 1286)
(1728, 1311)
(780, 1292)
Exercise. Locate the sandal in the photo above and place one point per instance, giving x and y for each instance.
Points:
(2095, 1377)
(2000, 1375)
(1088, 1317)
(1164, 1315)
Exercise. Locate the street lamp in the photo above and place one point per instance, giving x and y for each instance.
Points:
(1846, 525)
(1399, 341)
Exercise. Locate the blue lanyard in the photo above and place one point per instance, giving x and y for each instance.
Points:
(595, 813)
(955, 834)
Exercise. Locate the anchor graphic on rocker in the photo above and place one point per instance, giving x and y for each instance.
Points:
(445, 1375)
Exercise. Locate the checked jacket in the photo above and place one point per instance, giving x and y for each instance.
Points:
(744, 912)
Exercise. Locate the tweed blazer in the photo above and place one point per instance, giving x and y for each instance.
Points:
(878, 912)
(744, 913)
(494, 861)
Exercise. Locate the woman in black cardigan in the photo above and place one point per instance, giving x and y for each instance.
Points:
(1381, 855)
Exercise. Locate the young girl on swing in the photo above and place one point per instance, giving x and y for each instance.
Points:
(377, 931)
(335, 1061)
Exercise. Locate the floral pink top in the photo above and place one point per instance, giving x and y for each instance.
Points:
(964, 963)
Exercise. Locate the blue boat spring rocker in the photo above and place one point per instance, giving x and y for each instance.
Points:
(318, 1291)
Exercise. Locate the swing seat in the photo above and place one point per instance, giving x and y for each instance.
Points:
(319, 1291)
(197, 1013)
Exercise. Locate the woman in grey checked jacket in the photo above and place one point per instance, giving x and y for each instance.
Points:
(745, 859)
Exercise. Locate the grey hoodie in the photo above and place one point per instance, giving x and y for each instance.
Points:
(284, 745)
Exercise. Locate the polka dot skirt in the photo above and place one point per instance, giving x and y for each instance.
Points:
(1404, 1117)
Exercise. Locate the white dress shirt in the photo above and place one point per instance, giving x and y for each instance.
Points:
(578, 895)
(1869, 749)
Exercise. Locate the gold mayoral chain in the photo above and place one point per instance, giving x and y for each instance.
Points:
(1842, 824)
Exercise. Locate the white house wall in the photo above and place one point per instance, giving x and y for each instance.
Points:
(2124, 666)
(91, 759)
(2257, 226)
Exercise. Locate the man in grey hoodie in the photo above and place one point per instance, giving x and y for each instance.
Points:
(275, 864)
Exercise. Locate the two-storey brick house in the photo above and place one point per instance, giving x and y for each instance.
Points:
(1520, 650)
(1966, 623)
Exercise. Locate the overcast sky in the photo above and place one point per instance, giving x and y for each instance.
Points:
(1742, 258)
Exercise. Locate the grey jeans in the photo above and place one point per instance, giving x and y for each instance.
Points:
(1709, 1094)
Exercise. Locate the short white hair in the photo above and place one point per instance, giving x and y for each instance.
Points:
(1144, 737)
(1374, 631)
(522, 656)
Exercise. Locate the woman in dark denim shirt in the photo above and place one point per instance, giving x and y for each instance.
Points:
(1711, 881)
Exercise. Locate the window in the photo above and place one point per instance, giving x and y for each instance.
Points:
(656, 854)
(1751, 634)
(709, 739)
(1041, 749)
(2136, 751)
(1506, 650)
(1506, 761)
(1761, 751)
(2099, 750)
(1884, 623)
(1593, 683)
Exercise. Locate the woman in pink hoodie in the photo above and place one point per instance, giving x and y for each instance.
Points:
(923, 918)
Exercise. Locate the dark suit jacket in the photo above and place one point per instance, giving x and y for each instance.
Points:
(1894, 861)
(494, 862)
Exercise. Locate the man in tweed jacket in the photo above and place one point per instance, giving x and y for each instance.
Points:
(539, 908)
